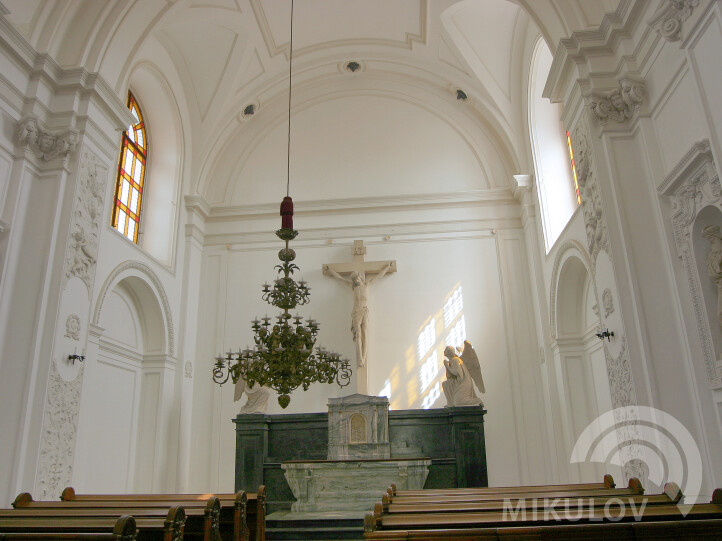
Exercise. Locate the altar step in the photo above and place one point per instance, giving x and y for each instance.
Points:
(301, 527)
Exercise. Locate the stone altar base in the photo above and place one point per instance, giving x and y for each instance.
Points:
(350, 485)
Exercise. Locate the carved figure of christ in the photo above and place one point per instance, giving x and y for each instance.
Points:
(359, 275)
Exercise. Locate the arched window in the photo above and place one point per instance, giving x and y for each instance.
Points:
(131, 174)
(558, 193)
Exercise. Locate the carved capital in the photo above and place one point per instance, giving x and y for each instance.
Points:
(619, 104)
(670, 16)
(45, 145)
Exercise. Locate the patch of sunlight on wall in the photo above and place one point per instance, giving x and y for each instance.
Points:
(420, 384)
(446, 327)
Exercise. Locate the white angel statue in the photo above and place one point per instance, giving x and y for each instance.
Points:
(461, 374)
(257, 396)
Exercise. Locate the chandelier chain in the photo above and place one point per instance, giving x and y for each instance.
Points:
(290, 72)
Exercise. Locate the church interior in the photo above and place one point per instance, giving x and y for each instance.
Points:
(543, 174)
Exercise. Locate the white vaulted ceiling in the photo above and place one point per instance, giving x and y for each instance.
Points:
(393, 127)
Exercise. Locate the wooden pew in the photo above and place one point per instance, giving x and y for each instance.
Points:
(19, 526)
(242, 514)
(607, 483)
(201, 517)
(671, 494)
(399, 526)
(462, 495)
(694, 530)
(122, 529)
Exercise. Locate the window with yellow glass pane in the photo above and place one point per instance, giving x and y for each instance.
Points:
(131, 174)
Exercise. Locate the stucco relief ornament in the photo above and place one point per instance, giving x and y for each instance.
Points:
(608, 302)
(594, 222)
(714, 262)
(620, 104)
(60, 425)
(619, 373)
(45, 145)
(72, 327)
(670, 16)
(82, 251)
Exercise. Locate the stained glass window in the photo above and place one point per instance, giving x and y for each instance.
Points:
(131, 174)
(574, 170)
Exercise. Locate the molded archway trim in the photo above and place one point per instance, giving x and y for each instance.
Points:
(136, 269)
(566, 251)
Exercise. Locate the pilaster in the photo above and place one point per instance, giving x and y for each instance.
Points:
(61, 167)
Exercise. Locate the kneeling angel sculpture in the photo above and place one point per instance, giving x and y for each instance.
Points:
(257, 396)
(461, 374)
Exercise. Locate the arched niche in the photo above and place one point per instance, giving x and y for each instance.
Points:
(573, 283)
(147, 287)
(579, 367)
(696, 196)
(123, 426)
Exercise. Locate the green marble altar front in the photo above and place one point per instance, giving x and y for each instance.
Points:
(451, 438)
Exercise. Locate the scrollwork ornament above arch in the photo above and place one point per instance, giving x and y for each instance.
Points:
(138, 269)
(670, 17)
(692, 186)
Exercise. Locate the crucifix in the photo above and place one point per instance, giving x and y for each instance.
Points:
(358, 275)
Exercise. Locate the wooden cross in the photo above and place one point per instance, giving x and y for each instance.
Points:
(368, 271)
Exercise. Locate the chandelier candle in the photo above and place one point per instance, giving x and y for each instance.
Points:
(283, 357)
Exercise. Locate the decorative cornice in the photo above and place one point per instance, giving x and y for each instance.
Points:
(584, 45)
(619, 104)
(368, 204)
(44, 144)
(670, 17)
(524, 185)
(399, 232)
(696, 157)
(198, 204)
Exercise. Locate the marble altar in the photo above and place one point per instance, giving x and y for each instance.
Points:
(350, 485)
(359, 468)
(358, 427)
(452, 437)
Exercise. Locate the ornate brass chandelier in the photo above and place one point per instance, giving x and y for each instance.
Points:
(283, 357)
